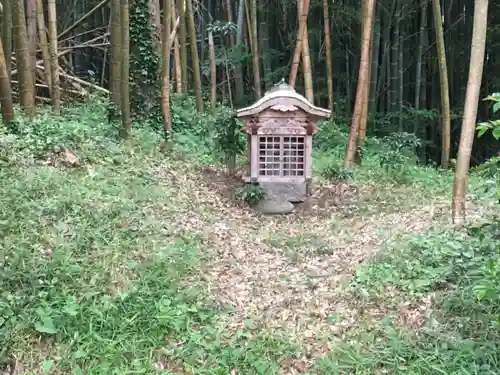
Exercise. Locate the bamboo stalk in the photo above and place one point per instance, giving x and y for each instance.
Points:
(44, 45)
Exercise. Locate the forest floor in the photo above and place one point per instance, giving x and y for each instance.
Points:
(133, 262)
(290, 275)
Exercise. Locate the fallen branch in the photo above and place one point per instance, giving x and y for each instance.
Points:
(76, 85)
(45, 86)
(70, 38)
(85, 46)
(88, 43)
(80, 21)
(80, 81)
(85, 83)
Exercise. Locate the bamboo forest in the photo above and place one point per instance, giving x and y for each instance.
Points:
(249, 187)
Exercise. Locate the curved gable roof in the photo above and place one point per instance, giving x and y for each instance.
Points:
(286, 98)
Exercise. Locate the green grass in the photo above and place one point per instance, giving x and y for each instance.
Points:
(95, 262)
(387, 189)
(92, 279)
(461, 334)
(101, 274)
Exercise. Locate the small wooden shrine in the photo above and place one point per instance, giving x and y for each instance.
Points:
(280, 127)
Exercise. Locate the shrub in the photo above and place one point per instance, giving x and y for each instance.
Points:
(252, 194)
(336, 171)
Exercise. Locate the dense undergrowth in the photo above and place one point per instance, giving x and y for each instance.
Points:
(93, 265)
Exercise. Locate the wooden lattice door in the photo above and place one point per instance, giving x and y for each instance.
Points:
(282, 156)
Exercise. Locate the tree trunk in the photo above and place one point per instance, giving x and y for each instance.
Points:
(229, 8)
(423, 94)
(228, 78)
(366, 101)
(167, 118)
(394, 76)
(245, 29)
(360, 144)
(213, 72)
(445, 94)
(375, 62)
(255, 49)
(450, 42)
(306, 63)
(54, 59)
(177, 66)
(31, 34)
(26, 78)
(200, 28)
(420, 49)
(183, 45)
(211, 10)
(177, 53)
(328, 53)
(7, 33)
(125, 69)
(238, 70)
(304, 6)
(115, 72)
(363, 82)
(155, 20)
(348, 81)
(383, 87)
(44, 46)
(5, 90)
(194, 55)
(264, 40)
(470, 109)
(248, 31)
(401, 69)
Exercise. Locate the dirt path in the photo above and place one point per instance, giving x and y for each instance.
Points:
(288, 274)
(291, 275)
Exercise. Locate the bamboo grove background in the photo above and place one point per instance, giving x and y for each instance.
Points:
(251, 46)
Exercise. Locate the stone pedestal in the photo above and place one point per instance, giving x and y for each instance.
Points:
(292, 192)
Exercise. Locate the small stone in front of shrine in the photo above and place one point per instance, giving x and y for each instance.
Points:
(274, 205)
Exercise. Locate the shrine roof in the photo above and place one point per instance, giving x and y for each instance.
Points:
(282, 97)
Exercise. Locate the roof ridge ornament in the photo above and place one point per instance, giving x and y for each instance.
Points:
(281, 85)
